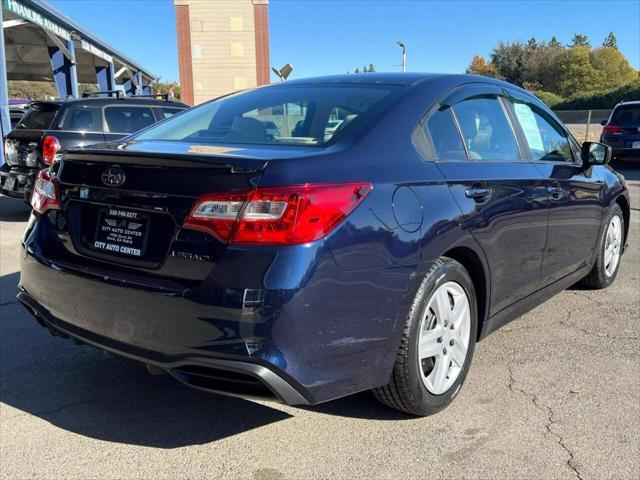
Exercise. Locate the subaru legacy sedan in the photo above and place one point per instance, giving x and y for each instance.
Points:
(305, 268)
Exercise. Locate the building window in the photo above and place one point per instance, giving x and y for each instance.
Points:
(237, 49)
(236, 24)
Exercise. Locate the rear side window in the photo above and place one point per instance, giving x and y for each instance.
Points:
(626, 115)
(38, 118)
(82, 119)
(485, 128)
(123, 119)
(547, 140)
(443, 136)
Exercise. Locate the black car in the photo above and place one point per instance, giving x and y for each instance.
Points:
(48, 126)
(622, 131)
(318, 264)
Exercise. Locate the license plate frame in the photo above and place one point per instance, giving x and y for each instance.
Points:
(121, 232)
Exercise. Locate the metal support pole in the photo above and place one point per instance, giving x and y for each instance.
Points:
(106, 78)
(63, 65)
(5, 122)
(586, 133)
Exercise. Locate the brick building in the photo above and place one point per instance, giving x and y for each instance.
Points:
(223, 46)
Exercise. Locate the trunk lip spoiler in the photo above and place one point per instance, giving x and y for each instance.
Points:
(153, 159)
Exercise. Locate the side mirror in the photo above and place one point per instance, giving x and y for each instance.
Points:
(603, 123)
(593, 153)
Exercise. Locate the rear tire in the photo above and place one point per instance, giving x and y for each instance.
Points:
(609, 248)
(437, 343)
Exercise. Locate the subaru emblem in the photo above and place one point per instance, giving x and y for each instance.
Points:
(113, 176)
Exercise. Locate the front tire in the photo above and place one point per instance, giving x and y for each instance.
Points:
(605, 268)
(437, 343)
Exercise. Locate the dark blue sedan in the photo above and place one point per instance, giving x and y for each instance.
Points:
(317, 262)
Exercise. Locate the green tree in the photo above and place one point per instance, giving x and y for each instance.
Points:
(357, 70)
(554, 43)
(510, 60)
(611, 41)
(161, 87)
(612, 68)
(480, 66)
(372, 68)
(541, 71)
(580, 40)
(576, 72)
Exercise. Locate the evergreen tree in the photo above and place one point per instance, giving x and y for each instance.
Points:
(580, 40)
(611, 41)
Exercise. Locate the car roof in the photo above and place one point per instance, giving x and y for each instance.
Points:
(100, 101)
(630, 102)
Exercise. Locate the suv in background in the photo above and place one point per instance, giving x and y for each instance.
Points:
(622, 131)
(48, 126)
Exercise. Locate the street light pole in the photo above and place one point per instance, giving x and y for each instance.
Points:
(404, 55)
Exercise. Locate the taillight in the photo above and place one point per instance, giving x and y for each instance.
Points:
(611, 129)
(276, 216)
(45, 194)
(50, 146)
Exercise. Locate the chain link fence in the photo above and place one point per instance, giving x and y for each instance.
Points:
(584, 124)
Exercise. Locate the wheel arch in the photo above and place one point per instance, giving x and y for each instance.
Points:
(479, 274)
(622, 201)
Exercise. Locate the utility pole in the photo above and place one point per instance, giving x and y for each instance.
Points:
(404, 55)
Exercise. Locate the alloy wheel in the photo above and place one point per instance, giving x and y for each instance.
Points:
(444, 337)
(612, 245)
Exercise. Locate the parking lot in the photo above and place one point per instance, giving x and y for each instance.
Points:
(555, 394)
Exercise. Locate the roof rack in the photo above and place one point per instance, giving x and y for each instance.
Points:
(118, 93)
(164, 96)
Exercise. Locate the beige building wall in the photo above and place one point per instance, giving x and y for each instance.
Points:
(222, 56)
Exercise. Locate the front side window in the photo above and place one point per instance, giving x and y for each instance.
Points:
(485, 128)
(82, 119)
(283, 115)
(123, 119)
(546, 139)
(443, 135)
(169, 112)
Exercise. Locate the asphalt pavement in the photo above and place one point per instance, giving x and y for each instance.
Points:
(554, 394)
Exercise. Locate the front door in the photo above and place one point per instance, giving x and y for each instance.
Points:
(502, 196)
(573, 196)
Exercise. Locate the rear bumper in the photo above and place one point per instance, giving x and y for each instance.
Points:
(23, 179)
(219, 375)
(293, 316)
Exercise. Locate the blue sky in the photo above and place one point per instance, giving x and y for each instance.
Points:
(335, 36)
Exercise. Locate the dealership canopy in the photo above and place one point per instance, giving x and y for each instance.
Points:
(42, 44)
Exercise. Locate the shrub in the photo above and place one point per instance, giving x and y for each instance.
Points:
(551, 99)
(601, 99)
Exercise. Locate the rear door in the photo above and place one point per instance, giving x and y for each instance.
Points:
(573, 194)
(500, 193)
(79, 126)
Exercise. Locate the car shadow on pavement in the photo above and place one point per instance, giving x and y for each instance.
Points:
(79, 389)
(13, 210)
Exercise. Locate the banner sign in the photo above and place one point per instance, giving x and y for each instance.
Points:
(32, 16)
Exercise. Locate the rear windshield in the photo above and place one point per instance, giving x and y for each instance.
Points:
(301, 115)
(627, 115)
(38, 117)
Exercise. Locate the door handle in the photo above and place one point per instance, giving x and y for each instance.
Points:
(556, 192)
(479, 195)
